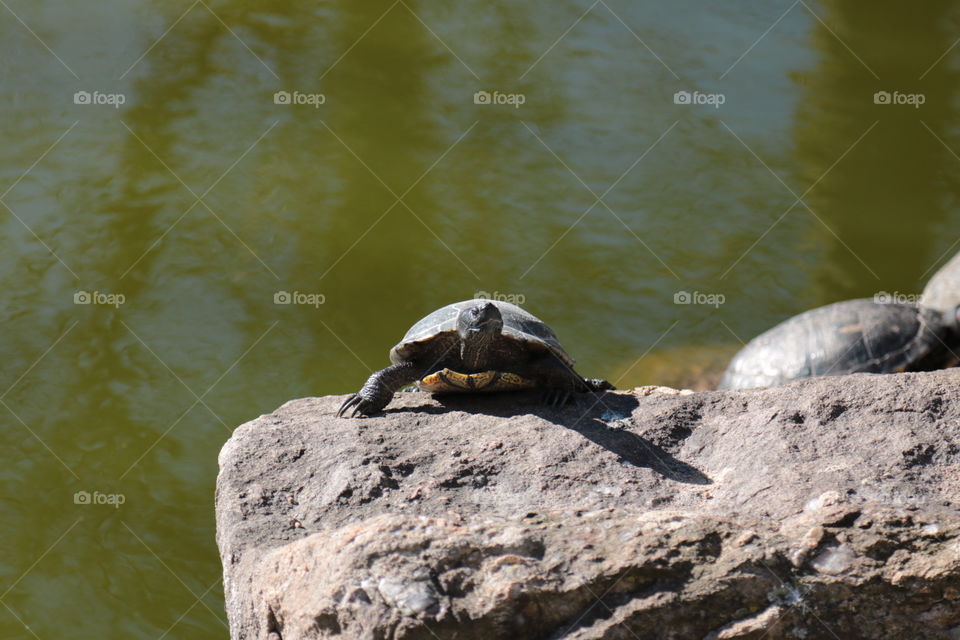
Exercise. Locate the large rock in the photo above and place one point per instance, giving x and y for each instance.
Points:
(826, 508)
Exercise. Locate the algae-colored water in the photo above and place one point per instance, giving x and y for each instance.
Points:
(148, 169)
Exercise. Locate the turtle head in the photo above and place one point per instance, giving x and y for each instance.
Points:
(478, 326)
(480, 320)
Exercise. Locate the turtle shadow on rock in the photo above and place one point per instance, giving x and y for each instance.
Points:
(640, 452)
(608, 428)
(587, 415)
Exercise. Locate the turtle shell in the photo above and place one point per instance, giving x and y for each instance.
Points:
(447, 381)
(518, 324)
(854, 336)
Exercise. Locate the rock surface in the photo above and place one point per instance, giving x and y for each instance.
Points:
(943, 290)
(827, 508)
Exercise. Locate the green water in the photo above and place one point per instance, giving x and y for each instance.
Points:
(199, 198)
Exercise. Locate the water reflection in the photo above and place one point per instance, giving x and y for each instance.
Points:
(886, 202)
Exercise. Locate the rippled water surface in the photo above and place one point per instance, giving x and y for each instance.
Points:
(775, 183)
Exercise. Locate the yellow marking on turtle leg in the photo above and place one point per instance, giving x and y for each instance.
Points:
(514, 380)
(447, 381)
(457, 379)
(443, 377)
(482, 380)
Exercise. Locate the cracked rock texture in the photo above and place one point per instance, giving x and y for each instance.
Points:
(826, 508)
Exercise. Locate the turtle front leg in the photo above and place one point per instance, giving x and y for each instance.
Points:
(377, 392)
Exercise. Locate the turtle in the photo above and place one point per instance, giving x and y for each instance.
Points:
(472, 346)
(853, 336)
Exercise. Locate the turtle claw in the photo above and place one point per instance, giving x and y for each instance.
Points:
(356, 405)
(599, 384)
(556, 397)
